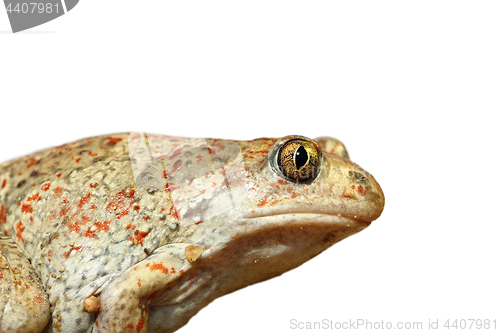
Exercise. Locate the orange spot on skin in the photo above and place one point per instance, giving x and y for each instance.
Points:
(122, 214)
(361, 190)
(64, 211)
(218, 145)
(262, 202)
(139, 284)
(84, 200)
(45, 187)
(118, 202)
(77, 248)
(177, 166)
(65, 200)
(136, 208)
(145, 218)
(4, 183)
(26, 208)
(139, 237)
(58, 192)
(130, 226)
(348, 193)
(113, 141)
(103, 226)
(34, 197)
(153, 295)
(175, 154)
(121, 202)
(32, 161)
(181, 271)
(3, 214)
(19, 228)
(157, 267)
(172, 188)
(130, 326)
(58, 175)
(173, 212)
(38, 299)
(89, 233)
(75, 226)
(78, 160)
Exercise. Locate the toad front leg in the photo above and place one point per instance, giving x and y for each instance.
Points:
(24, 305)
(125, 301)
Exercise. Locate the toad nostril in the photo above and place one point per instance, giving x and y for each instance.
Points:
(358, 176)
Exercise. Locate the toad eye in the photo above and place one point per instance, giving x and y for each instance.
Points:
(297, 159)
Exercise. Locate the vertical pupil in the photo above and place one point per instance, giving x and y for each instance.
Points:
(301, 157)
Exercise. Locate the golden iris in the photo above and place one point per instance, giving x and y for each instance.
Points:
(299, 160)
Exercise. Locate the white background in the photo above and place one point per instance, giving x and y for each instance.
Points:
(412, 89)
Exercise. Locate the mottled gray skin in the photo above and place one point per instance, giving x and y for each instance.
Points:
(112, 216)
